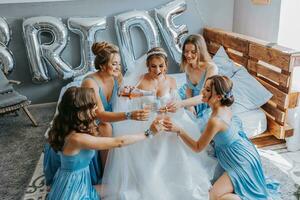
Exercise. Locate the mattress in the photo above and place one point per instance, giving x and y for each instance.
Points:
(254, 122)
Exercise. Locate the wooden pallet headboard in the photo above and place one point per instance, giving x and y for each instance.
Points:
(272, 65)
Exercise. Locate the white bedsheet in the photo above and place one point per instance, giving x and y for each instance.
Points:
(254, 122)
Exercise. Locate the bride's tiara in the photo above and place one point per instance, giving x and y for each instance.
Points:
(157, 53)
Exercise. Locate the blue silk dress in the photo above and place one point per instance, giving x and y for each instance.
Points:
(72, 180)
(240, 159)
(203, 108)
(52, 159)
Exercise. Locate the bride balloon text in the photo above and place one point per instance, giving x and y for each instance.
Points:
(42, 55)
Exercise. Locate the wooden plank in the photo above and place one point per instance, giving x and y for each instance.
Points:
(213, 47)
(293, 99)
(270, 55)
(226, 39)
(236, 43)
(266, 141)
(279, 131)
(281, 79)
(276, 129)
(238, 59)
(236, 35)
(274, 84)
(279, 97)
(275, 112)
(252, 40)
(264, 134)
(289, 132)
(213, 35)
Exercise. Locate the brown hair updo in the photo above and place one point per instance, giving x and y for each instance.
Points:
(223, 87)
(103, 52)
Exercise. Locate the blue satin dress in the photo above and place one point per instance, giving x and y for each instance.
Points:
(52, 159)
(240, 159)
(72, 180)
(201, 109)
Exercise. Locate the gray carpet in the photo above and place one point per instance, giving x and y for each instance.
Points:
(21, 145)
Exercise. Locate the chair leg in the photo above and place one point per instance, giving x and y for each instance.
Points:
(30, 116)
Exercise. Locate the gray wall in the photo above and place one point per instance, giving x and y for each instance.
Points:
(200, 13)
(260, 21)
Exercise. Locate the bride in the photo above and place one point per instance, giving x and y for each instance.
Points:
(162, 167)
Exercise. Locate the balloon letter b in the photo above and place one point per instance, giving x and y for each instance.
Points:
(7, 62)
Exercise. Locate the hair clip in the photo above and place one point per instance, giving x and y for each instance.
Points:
(228, 94)
(156, 53)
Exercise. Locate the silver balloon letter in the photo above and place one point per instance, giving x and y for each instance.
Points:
(172, 33)
(86, 28)
(42, 55)
(124, 23)
(7, 62)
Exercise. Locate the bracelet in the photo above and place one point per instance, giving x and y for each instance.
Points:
(149, 133)
(128, 115)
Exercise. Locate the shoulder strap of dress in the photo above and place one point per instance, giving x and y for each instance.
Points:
(94, 79)
(116, 86)
(189, 82)
(102, 96)
(219, 117)
(140, 80)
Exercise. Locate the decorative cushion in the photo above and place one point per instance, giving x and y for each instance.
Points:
(248, 93)
(225, 65)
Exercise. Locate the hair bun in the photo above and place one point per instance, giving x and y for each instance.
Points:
(97, 47)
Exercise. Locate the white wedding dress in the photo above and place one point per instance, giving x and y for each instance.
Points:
(158, 168)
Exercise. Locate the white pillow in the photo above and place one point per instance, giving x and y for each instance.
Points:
(248, 93)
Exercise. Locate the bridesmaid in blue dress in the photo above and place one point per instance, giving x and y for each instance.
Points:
(198, 65)
(105, 83)
(74, 136)
(243, 177)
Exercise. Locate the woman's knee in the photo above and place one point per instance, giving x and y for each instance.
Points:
(213, 195)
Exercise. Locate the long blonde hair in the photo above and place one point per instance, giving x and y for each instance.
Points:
(203, 56)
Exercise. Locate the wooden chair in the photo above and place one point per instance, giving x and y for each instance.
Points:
(12, 101)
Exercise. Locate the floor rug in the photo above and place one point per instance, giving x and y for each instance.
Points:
(278, 164)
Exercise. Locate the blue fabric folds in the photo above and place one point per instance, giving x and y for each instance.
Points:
(52, 159)
(196, 90)
(240, 159)
(72, 180)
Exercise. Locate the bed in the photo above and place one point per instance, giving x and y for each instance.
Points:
(273, 66)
